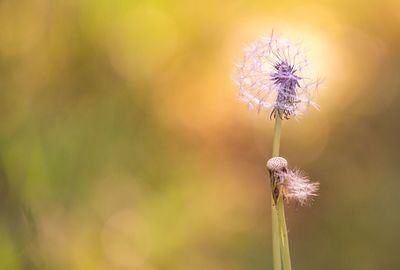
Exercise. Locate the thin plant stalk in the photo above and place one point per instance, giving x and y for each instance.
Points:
(276, 141)
(276, 250)
(280, 241)
(284, 240)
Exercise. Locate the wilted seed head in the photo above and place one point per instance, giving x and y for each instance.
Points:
(273, 75)
(293, 184)
(297, 186)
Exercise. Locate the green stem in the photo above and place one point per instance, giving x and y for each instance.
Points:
(280, 240)
(284, 243)
(277, 137)
(276, 251)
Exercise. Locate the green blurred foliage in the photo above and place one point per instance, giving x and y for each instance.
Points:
(123, 144)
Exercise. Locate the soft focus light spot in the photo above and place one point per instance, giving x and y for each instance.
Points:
(123, 242)
(141, 41)
(56, 238)
(120, 185)
(355, 68)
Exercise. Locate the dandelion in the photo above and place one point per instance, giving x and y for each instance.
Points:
(274, 75)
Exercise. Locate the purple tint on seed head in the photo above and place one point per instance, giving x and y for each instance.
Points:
(286, 80)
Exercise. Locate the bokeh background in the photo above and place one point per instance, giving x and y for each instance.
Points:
(123, 144)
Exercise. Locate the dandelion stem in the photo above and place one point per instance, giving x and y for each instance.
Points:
(284, 240)
(276, 251)
(277, 136)
(280, 241)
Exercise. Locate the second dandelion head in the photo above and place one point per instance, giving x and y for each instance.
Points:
(292, 184)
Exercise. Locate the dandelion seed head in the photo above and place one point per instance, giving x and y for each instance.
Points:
(274, 75)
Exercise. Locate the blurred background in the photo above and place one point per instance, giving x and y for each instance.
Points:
(123, 144)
